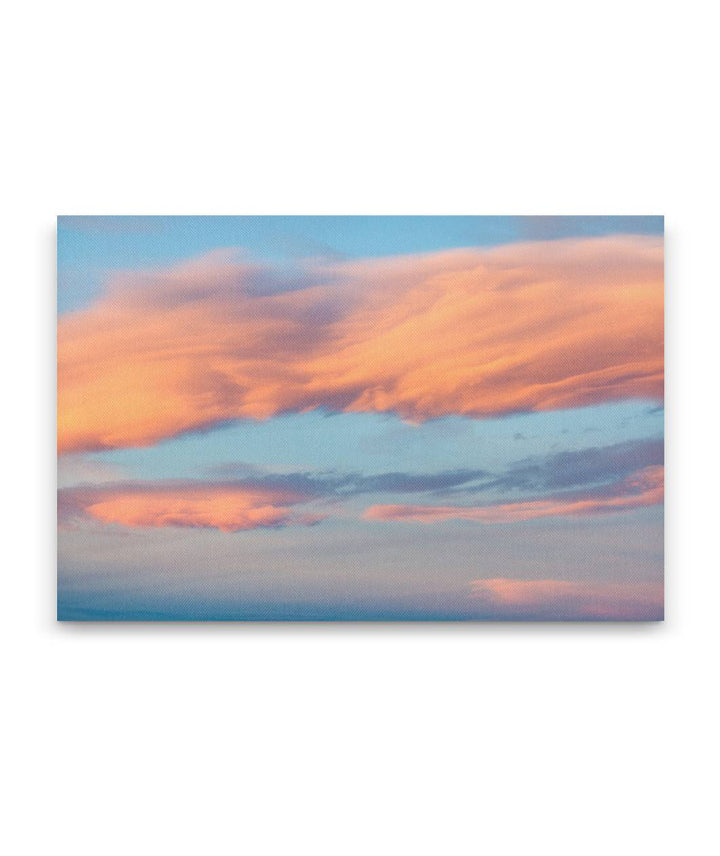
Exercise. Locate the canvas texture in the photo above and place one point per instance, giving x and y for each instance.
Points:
(360, 418)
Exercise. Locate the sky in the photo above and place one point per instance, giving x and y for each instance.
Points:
(360, 418)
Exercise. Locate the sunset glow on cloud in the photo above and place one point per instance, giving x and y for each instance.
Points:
(640, 490)
(229, 508)
(565, 599)
(523, 327)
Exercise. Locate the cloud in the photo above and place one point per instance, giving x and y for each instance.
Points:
(597, 467)
(225, 506)
(581, 467)
(258, 500)
(241, 496)
(333, 483)
(641, 489)
(269, 500)
(563, 599)
(523, 327)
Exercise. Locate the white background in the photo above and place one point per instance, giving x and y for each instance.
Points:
(359, 739)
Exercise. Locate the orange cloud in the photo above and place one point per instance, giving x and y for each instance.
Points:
(643, 488)
(226, 507)
(561, 598)
(533, 326)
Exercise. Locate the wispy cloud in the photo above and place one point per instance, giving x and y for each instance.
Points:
(333, 483)
(581, 466)
(259, 499)
(563, 599)
(592, 466)
(639, 490)
(241, 496)
(524, 327)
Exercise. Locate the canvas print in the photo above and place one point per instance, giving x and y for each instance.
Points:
(360, 418)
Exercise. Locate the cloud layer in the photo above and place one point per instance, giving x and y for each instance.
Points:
(247, 497)
(224, 506)
(531, 326)
(563, 599)
(591, 467)
(639, 490)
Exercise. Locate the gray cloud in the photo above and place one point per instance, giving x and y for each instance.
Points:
(333, 483)
(595, 465)
(588, 467)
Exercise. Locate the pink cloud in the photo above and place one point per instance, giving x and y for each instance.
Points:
(227, 507)
(643, 488)
(533, 326)
(570, 599)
